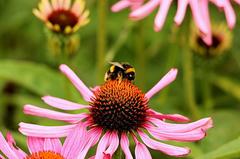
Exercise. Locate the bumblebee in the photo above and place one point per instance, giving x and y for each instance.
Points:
(120, 71)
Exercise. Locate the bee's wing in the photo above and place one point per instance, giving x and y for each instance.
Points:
(117, 64)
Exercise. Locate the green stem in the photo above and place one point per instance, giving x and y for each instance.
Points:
(140, 54)
(208, 102)
(101, 38)
(188, 81)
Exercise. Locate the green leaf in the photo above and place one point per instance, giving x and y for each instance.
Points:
(37, 78)
(227, 151)
(227, 84)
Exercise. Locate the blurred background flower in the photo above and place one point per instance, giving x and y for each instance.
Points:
(221, 41)
(61, 16)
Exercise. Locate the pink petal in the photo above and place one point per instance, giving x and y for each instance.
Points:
(62, 104)
(141, 151)
(161, 15)
(6, 149)
(94, 135)
(120, 5)
(75, 141)
(102, 145)
(230, 15)
(125, 146)
(41, 112)
(181, 11)
(35, 144)
(207, 38)
(166, 80)
(52, 144)
(173, 117)
(114, 142)
(204, 124)
(144, 10)
(189, 136)
(237, 1)
(45, 131)
(11, 142)
(86, 93)
(198, 17)
(165, 148)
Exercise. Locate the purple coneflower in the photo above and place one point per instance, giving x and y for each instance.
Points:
(61, 16)
(199, 8)
(44, 148)
(118, 110)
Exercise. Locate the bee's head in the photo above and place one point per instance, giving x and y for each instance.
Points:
(129, 72)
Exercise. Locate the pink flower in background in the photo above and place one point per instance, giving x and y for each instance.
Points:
(118, 110)
(122, 4)
(45, 148)
(199, 8)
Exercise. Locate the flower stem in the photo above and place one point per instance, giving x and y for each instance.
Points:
(101, 38)
(206, 91)
(188, 81)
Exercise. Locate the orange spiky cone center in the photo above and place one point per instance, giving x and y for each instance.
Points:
(44, 155)
(119, 105)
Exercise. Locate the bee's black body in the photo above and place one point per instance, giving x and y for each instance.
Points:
(120, 71)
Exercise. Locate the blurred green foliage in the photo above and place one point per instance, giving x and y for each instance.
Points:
(29, 70)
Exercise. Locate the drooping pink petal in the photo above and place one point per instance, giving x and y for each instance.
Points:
(181, 11)
(11, 142)
(237, 1)
(172, 117)
(166, 80)
(75, 141)
(82, 88)
(203, 124)
(125, 146)
(6, 149)
(193, 135)
(161, 15)
(52, 144)
(45, 131)
(165, 148)
(144, 10)
(207, 38)
(122, 4)
(94, 135)
(35, 144)
(51, 114)
(141, 151)
(230, 15)
(102, 145)
(113, 144)
(198, 17)
(62, 103)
